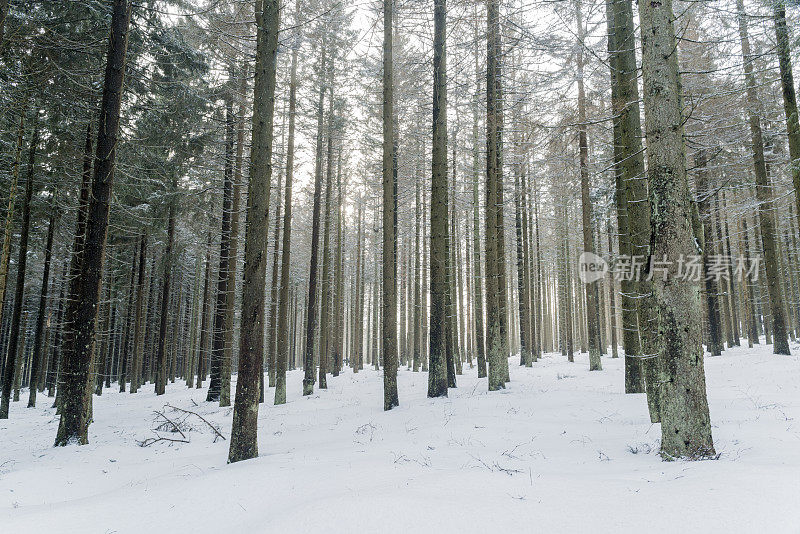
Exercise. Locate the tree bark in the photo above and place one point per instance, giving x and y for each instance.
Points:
(309, 358)
(591, 288)
(476, 232)
(496, 341)
(325, 307)
(704, 193)
(8, 229)
(339, 312)
(685, 421)
(38, 353)
(202, 349)
(223, 274)
(764, 195)
(284, 306)
(389, 286)
(233, 253)
(166, 289)
(633, 217)
(437, 374)
(82, 314)
(244, 442)
(789, 95)
(125, 359)
(14, 356)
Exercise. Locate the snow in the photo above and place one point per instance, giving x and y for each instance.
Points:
(561, 449)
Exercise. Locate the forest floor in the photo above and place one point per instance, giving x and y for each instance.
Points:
(560, 450)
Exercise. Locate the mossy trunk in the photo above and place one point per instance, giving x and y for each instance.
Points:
(676, 340)
(789, 96)
(631, 182)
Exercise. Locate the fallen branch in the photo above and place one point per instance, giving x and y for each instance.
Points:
(174, 425)
(212, 427)
(149, 441)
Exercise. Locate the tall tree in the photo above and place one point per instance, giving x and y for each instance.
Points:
(5, 258)
(309, 358)
(82, 313)
(437, 374)
(685, 421)
(224, 287)
(389, 285)
(764, 194)
(14, 357)
(325, 305)
(244, 442)
(633, 216)
(39, 334)
(284, 305)
(496, 342)
(706, 240)
(233, 250)
(138, 326)
(591, 287)
(476, 231)
(166, 289)
(202, 350)
(789, 96)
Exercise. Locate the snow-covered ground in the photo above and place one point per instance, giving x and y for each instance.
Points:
(561, 450)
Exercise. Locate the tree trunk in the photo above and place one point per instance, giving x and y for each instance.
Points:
(8, 230)
(284, 305)
(685, 421)
(244, 442)
(125, 359)
(82, 314)
(764, 195)
(591, 287)
(233, 253)
(309, 358)
(339, 314)
(55, 358)
(272, 328)
(496, 339)
(451, 327)
(437, 375)
(704, 192)
(633, 217)
(389, 286)
(166, 288)
(224, 287)
(476, 232)
(325, 311)
(38, 353)
(15, 355)
(789, 96)
(418, 238)
(202, 350)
